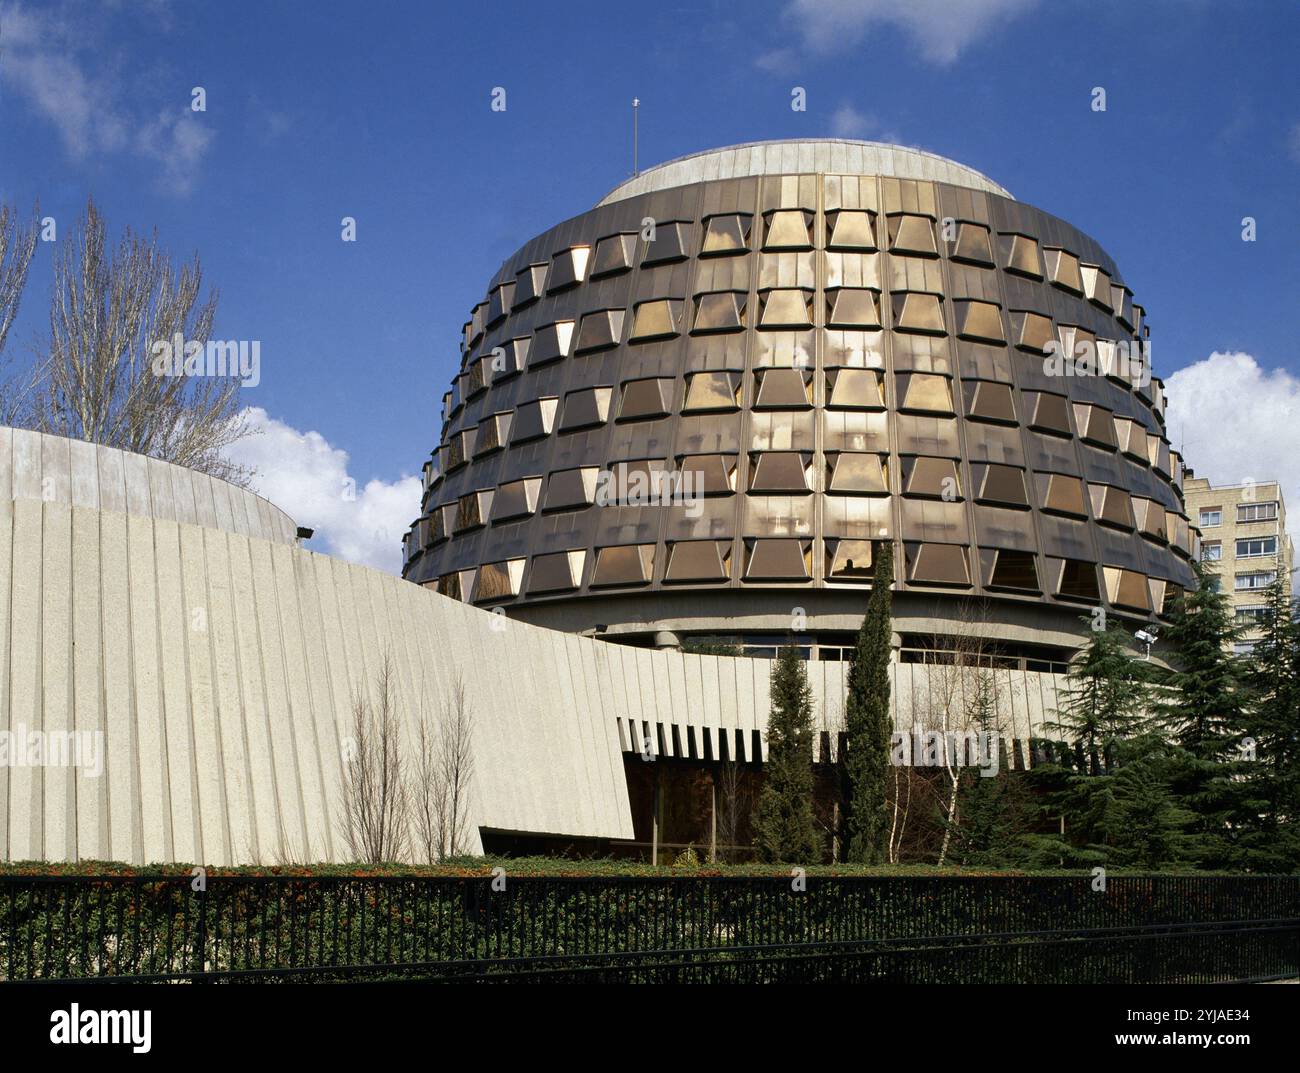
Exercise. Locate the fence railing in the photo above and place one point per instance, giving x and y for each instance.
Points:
(692, 928)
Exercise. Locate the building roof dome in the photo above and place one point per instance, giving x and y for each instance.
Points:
(804, 156)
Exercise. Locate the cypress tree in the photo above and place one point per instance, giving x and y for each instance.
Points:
(869, 723)
(785, 829)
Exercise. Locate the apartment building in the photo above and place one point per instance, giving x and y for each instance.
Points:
(1243, 534)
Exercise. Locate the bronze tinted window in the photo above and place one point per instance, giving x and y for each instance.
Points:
(499, 581)
(568, 268)
(774, 472)
(937, 564)
(776, 559)
(1096, 424)
(1032, 331)
(855, 473)
(1016, 571)
(918, 312)
(613, 254)
(1004, 485)
(1051, 413)
(645, 400)
(787, 229)
(626, 564)
(1111, 505)
(1078, 581)
(499, 302)
(586, 408)
(1127, 588)
(1063, 269)
(472, 510)
(850, 229)
(990, 402)
(709, 474)
(670, 244)
(556, 571)
(925, 393)
(493, 433)
(1022, 257)
(534, 419)
(599, 330)
(931, 477)
(852, 307)
(698, 560)
(854, 389)
(712, 392)
(783, 389)
(909, 233)
(1062, 494)
(571, 489)
(786, 308)
(972, 244)
(516, 499)
(551, 342)
(529, 284)
(723, 311)
(726, 234)
(850, 560)
(980, 321)
(656, 319)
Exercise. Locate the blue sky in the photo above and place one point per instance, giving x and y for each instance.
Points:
(381, 112)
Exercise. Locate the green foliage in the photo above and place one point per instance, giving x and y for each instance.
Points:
(784, 828)
(869, 723)
(687, 858)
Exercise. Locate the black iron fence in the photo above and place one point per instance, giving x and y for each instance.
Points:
(691, 928)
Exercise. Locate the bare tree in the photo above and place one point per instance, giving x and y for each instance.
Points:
(732, 805)
(17, 244)
(100, 381)
(374, 801)
(444, 769)
(960, 687)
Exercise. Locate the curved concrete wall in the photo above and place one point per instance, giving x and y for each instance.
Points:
(217, 670)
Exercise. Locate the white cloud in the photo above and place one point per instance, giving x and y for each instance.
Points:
(52, 58)
(304, 475)
(940, 28)
(1235, 421)
(848, 122)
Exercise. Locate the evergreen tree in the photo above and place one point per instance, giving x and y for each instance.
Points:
(785, 829)
(1103, 706)
(1270, 790)
(1203, 710)
(1103, 699)
(869, 723)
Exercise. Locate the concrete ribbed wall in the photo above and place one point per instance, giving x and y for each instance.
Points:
(219, 667)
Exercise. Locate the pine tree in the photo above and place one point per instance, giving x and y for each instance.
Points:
(1270, 791)
(785, 829)
(1103, 705)
(869, 723)
(1204, 712)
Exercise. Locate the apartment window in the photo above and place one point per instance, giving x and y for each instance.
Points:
(1211, 553)
(1260, 580)
(1256, 512)
(1250, 549)
(1253, 613)
(1211, 516)
(1244, 648)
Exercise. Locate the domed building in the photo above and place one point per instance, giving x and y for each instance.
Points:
(693, 412)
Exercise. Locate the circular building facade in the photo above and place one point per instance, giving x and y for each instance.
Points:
(695, 411)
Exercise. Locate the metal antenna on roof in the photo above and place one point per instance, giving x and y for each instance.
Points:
(636, 104)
